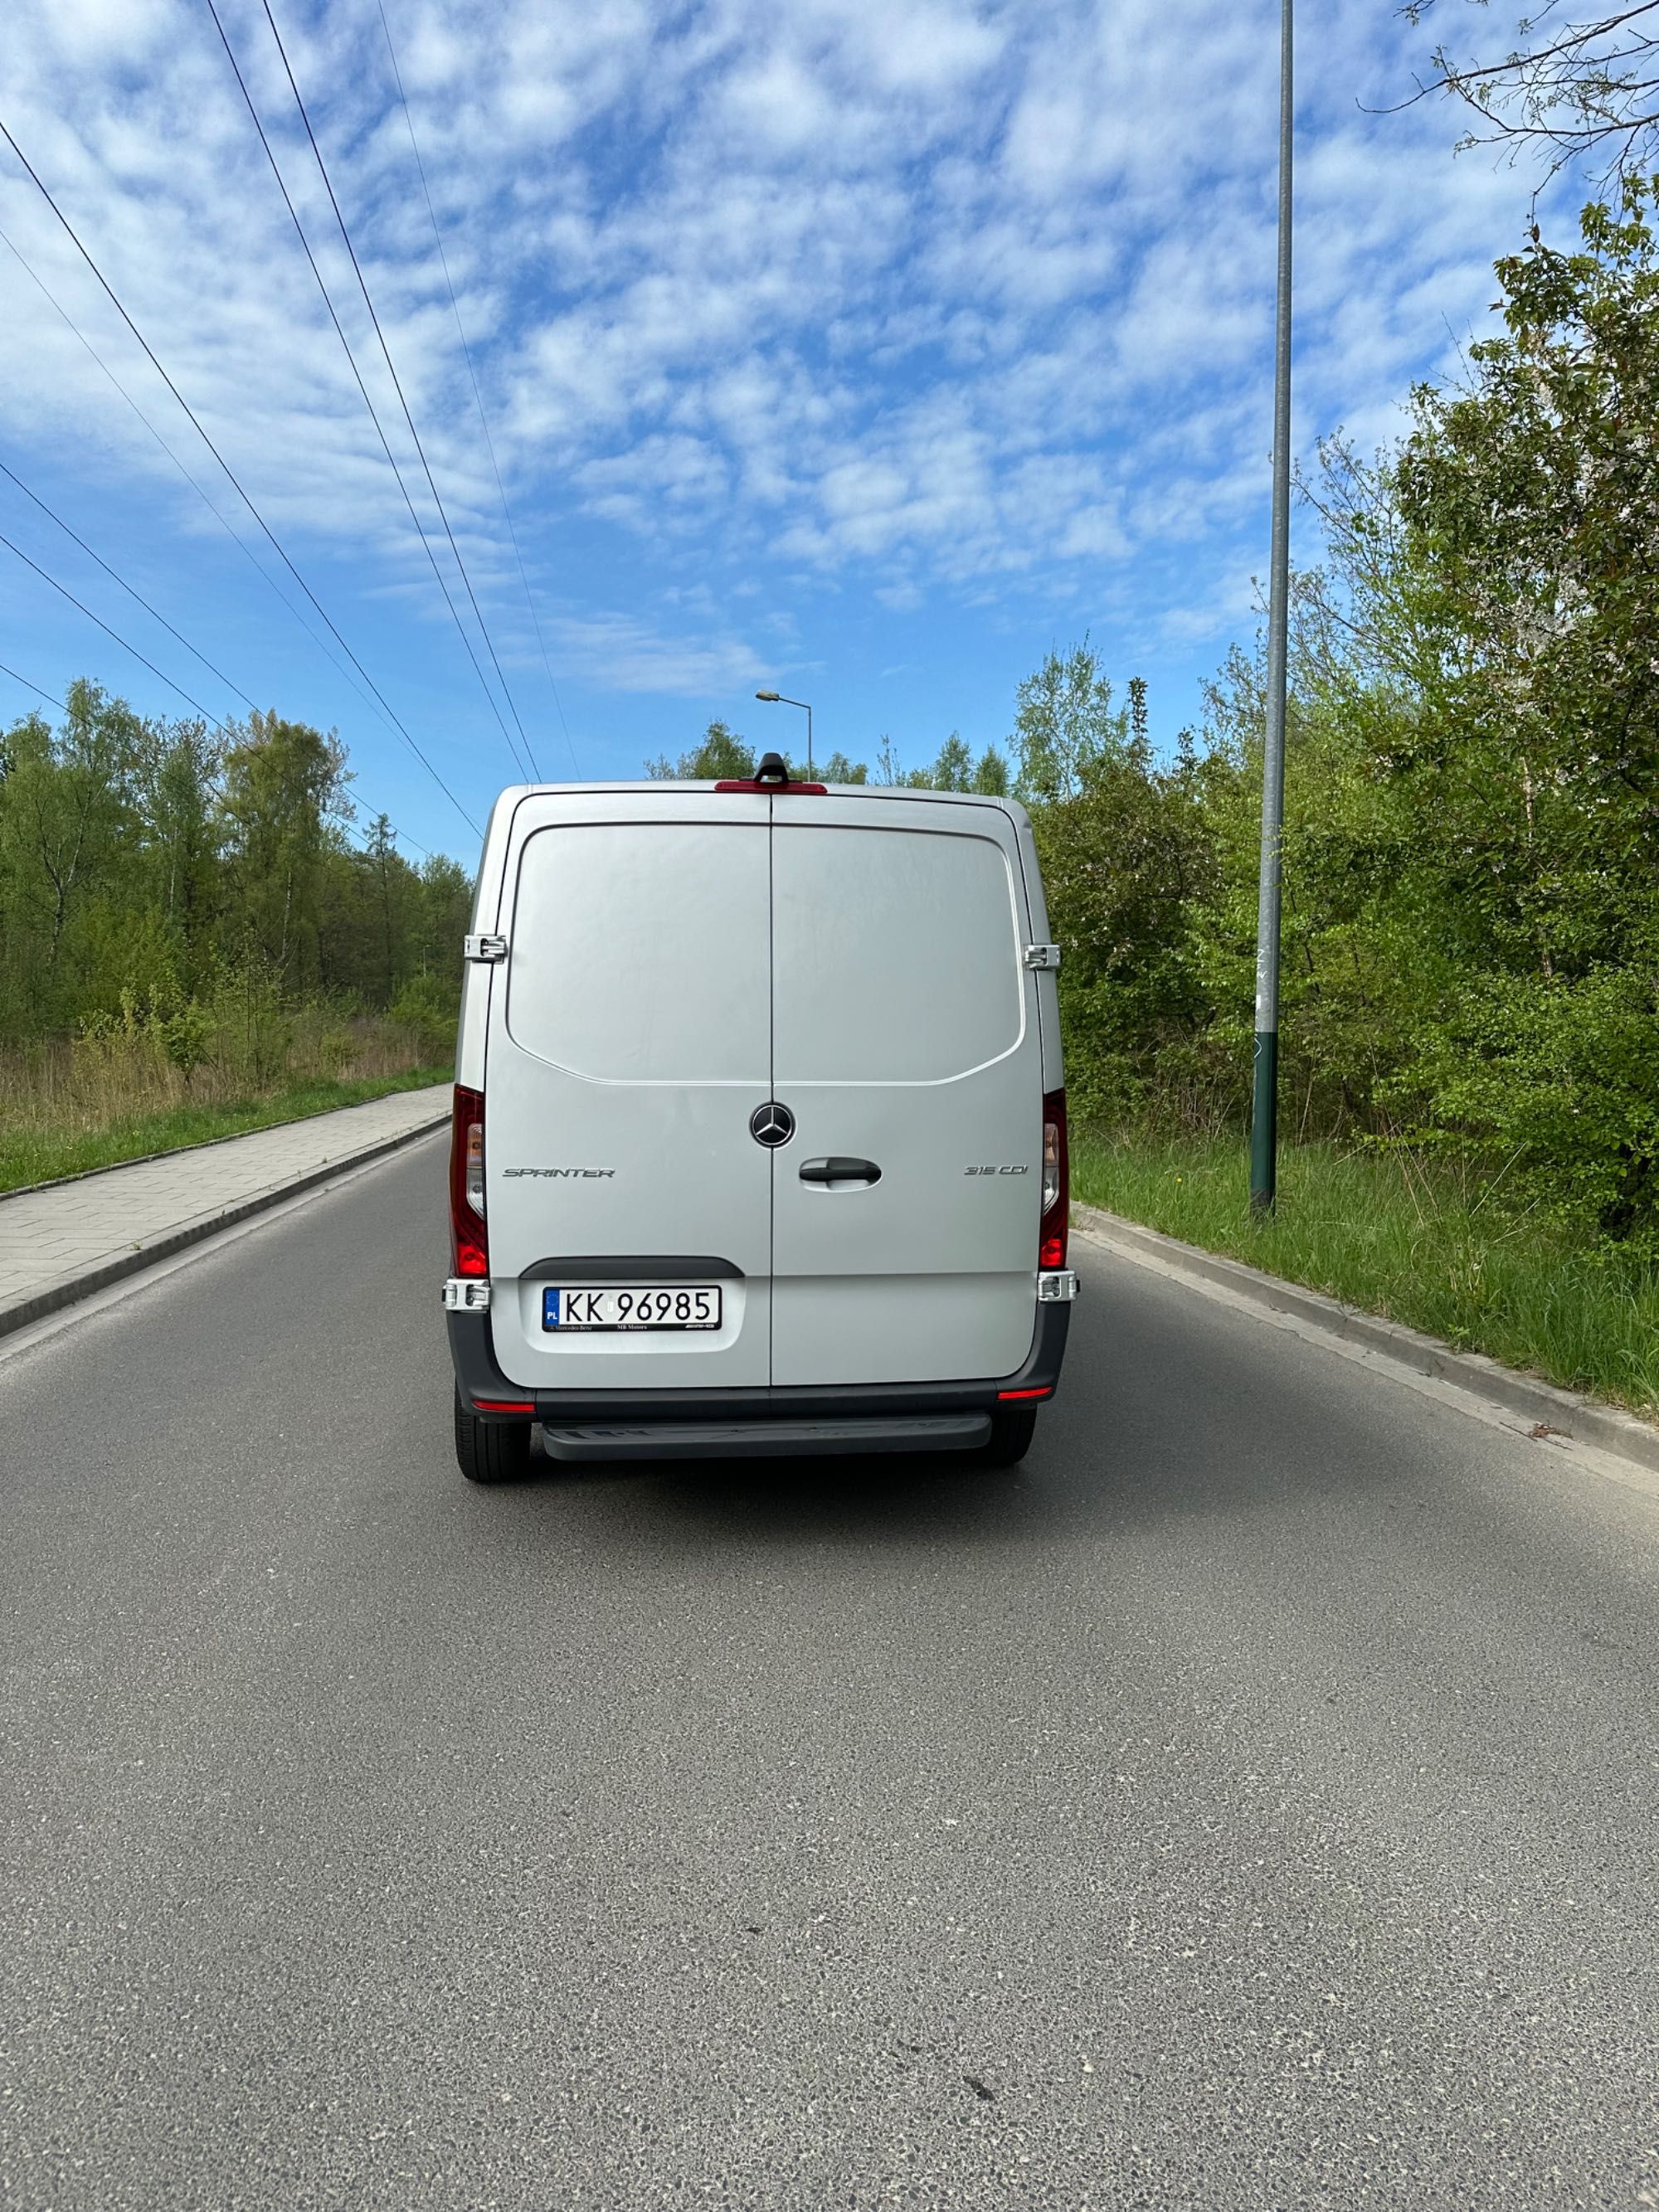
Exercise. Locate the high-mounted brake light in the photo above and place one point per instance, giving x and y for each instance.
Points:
(772, 773)
(1056, 1183)
(469, 1242)
(777, 790)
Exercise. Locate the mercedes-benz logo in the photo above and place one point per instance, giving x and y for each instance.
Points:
(771, 1125)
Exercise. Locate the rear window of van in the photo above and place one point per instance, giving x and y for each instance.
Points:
(640, 953)
(895, 955)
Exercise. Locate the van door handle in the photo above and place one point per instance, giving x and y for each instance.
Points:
(836, 1169)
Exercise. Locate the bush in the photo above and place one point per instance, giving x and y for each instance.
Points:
(427, 1013)
(1556, 1083)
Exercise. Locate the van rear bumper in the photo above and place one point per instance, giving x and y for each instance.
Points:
(478, 1376)
(768, 1438)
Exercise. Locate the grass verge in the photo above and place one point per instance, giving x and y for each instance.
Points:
(38, 1155)
(1433, 1251)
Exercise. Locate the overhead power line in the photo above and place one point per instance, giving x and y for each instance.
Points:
(195, 484)
(392, 370)
(125, 643)
(224, 727)
(233, 478)
(126, 586)
(519, 762)
(52, 700)
(51, 697)
(466, 355)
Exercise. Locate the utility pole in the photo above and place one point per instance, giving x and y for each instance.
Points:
(1264, 1116)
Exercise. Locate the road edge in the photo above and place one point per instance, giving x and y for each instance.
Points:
(70, 1289)
(1556, 1412)
(200, 1145)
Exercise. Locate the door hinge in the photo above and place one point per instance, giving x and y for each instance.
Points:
(1042, 956)
(485, 948)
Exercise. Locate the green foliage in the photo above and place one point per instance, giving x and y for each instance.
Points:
(1133, 869)
(1427, 1243)
(31, 1154)
(1471, 845)
(283, 785)
(428, 1006)
(954, 768)
(1557, 1077)
(1064, 723)
(186, 1035)
(162, 884)
(839, 769)
(720, 752)
(991, 775)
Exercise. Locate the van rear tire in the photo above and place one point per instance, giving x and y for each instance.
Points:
(490, 1450)
(1012, 1428)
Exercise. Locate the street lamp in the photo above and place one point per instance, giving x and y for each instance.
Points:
(1264, 1109)
(777, 699)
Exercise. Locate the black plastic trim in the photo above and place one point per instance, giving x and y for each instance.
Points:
(478, 1375)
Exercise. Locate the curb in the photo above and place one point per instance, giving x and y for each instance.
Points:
(201, 1144)
(66, 1293)
(1555, 1411)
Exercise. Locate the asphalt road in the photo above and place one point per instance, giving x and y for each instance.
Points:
(1250, 1801)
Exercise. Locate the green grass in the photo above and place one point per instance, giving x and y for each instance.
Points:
(38, 1155)
(1432, 1250)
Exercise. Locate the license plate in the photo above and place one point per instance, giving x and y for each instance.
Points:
(679, 1305)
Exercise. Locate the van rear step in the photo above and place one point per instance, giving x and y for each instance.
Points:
(765, 1439)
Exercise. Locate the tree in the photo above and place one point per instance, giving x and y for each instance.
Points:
(1584, 90)
(67, 816)
(720, 752)
(839, 769)
(179, 765)
(1506, 560)
(1065, 723)
(284, 787)
(954, 768)
(991, 773)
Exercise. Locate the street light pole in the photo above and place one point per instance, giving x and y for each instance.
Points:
(1264, 1116)
(777, 699)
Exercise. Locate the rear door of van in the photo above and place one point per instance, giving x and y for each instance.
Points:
(907, 1205)
(629, 1040)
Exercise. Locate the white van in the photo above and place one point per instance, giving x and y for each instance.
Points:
(759, 1140)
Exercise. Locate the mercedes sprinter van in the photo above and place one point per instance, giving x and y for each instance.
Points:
(759, 1140)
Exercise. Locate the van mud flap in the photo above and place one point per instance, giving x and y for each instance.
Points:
(766, 1439)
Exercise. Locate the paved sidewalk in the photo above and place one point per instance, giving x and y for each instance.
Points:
(65, 1240)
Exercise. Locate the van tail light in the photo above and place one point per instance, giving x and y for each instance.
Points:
(1056, 1183)
(469, 1243)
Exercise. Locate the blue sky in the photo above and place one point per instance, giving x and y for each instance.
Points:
(859, 351)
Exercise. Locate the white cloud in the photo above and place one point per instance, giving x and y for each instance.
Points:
(927, 297)
(623, 653)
